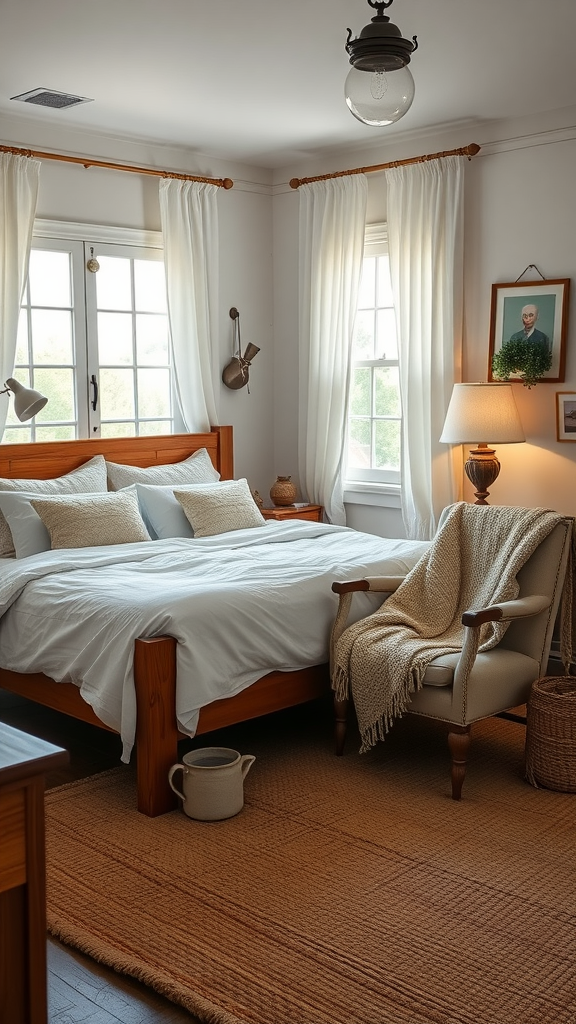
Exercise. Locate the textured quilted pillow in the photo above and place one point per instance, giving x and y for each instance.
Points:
(91, 477)
(219, 509)
(198, 469)
(92, 520)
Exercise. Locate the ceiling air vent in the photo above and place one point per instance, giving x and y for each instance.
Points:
(50, 98)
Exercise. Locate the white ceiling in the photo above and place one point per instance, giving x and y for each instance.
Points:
(261, 81)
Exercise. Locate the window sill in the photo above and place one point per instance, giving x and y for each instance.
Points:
(384, 495)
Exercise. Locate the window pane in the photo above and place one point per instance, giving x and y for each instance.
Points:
(115, 339)
(118, 430)
(149, 427)
(51, 336)
(367, 292)
(152, 339)
(58, 386)
(117, 394)
(360, 397)
(385, 297)
(22, 356)
(387, 391)
(363, 340)
(149, 286)
(387, 342)
(113, 287)
(359, 444)
(49, 278)
(387, 444)
(62, 433)
(153, 393)
(15, 435)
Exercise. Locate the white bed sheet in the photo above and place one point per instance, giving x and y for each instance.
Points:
(240, 605)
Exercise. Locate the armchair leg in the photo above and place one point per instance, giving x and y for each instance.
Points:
(340, 724)
(458, 742)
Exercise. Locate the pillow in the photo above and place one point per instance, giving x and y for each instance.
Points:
(197, 469)
(91, 477)
(91, 520)
(221, 508)
(162, 512)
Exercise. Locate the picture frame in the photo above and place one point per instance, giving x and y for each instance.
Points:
(566, 416)
(550, 301)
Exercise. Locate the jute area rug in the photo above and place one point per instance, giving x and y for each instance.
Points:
(348, 891)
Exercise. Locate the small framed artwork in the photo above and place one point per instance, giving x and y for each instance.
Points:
(528, 325)
(566, 415)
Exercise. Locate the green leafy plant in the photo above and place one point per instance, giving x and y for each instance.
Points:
(531, 361)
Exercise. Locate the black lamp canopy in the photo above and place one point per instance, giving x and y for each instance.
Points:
(379, 88)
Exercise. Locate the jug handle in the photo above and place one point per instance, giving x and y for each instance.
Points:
(176, 768)
(246, 763)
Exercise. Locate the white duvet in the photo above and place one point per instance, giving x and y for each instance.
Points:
(240, 605)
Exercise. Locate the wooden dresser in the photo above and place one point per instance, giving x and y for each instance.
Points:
(24, 760)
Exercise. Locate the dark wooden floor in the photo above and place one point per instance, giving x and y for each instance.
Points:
(79, 989)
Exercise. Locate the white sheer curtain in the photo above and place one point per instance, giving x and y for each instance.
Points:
(19, 179)
(189, 218)
(425, 214)
(332, 225)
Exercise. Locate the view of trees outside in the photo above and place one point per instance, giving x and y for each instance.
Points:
(374, 408)
(127, 336)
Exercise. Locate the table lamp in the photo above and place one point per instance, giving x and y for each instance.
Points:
(478, 412)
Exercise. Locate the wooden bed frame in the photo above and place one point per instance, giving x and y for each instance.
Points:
(157, 733)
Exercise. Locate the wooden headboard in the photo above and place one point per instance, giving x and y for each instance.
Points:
(44, 460)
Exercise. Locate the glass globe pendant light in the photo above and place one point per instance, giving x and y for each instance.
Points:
(379, 88)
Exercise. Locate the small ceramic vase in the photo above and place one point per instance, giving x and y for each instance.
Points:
(283, 492)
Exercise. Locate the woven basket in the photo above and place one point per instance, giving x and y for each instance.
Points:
(551, 734)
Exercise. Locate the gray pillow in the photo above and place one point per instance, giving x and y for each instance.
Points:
(197, 469)
(91, 477)
(91, 520)
(220, 508)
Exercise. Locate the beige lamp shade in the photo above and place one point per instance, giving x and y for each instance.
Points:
(482, 413)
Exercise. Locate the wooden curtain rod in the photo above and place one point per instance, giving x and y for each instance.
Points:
(468, 151)
(222, 182)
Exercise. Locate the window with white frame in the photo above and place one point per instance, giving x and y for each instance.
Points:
(95, 342)
(374, 414)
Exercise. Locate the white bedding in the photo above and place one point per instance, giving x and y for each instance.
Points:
(240, 605)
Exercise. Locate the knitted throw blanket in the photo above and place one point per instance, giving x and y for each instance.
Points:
(472, 563)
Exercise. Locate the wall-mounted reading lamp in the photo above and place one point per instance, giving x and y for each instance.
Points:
(27, 402)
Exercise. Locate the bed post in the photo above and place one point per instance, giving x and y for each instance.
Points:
(156, 727)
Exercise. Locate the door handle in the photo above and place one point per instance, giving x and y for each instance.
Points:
(94, 384)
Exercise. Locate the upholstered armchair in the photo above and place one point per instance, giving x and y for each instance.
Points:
(500, 678)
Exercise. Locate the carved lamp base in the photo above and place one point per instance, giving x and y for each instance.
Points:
(482, 469)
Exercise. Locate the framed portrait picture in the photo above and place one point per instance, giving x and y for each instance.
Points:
(566, 415)
(530, 317)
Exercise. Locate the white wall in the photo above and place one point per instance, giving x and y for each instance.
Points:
(71, 193)
(520, 209)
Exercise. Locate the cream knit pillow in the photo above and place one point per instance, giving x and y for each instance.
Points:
(219, 508)
(92, 520)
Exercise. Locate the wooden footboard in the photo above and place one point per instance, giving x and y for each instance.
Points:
(157, 733)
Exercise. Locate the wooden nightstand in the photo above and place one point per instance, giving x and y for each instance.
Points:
(24, 760)
(311, 512)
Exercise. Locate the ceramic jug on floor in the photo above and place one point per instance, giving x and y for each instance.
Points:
(212, 782)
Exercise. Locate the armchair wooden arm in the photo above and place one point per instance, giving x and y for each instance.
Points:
(505, 610)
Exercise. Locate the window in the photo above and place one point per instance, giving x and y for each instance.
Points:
(96, 343)
(374, 419)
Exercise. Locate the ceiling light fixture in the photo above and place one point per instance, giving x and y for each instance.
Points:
(379, 88)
